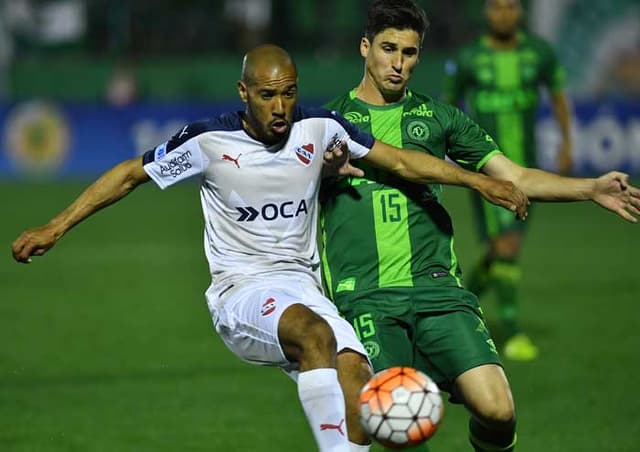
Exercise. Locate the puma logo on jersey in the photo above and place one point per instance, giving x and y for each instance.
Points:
(184, 131)
(228, 158)
(271, 211)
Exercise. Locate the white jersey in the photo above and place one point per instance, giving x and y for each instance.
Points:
(259, 202)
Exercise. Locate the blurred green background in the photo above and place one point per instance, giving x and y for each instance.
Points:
(191, 49)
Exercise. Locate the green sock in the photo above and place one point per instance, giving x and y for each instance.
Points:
(505, 279)
(484, 439)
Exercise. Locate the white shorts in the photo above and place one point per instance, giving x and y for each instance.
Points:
(246, 317)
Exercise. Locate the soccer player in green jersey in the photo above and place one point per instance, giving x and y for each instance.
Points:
(499, 77)
(388, 258)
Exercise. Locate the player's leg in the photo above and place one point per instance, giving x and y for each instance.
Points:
(354, 368)
(386, 332)
(354, 372)
(499, 269)
(268, 324)
(458, 353)
(505, 278)
(486, 394)
(306, 338)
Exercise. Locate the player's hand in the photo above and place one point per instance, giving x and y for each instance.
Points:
(504, 194)
(565, 161)
(34, 242)
(336, 161)
(613, 192)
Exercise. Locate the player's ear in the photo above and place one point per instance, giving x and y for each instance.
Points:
(242, 91)
(365, 45)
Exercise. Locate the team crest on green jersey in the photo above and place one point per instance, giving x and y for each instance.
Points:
(418, 130)
(356, 118)
(372, 348)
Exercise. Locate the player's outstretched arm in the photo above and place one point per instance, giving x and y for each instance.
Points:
(109, 188)
(611, 191)
(424, 168)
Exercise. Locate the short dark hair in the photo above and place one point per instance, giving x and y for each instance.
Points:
(399, 14)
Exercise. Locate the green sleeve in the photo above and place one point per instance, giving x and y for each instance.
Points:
(552, 73)
(467, 143)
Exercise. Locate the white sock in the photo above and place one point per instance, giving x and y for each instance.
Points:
(323, 403)
(359, 447)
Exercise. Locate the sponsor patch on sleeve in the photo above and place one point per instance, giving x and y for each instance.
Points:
(169, 168)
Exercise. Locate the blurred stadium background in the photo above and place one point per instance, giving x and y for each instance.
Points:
(107, 343)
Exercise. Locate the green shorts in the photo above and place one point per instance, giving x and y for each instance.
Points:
(493, 221)
(405, 327)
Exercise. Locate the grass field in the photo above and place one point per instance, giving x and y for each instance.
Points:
(107, 343)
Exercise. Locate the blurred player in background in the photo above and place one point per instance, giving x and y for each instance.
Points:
(401, 288)
(260, 175)
(499, 78)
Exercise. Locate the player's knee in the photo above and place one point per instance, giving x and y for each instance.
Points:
(307, 338)
(498, 412)
(318, 339)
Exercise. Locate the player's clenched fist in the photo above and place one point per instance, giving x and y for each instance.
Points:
(34, 242)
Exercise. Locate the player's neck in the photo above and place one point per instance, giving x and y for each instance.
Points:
(368, 92)
(503, 42)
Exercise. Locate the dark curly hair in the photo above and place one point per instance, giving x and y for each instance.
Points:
(399, 14)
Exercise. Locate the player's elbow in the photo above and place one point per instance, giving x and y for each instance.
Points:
(128, 175)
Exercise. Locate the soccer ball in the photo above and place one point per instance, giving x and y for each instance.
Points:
(400, 407)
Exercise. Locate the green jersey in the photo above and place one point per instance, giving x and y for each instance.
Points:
(501, 90)
(380, 231)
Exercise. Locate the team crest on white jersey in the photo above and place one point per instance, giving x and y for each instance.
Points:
(268, 306)
(305, 153)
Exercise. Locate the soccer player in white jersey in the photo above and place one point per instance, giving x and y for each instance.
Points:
(260, 170)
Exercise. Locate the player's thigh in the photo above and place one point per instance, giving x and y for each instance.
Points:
(247, 321)
(450, 343)
(385, 334)
(346, 339)
(248, 317)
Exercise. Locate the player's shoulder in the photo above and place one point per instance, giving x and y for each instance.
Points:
(339, 103)
(420, 98)
(438, 107)
(304, 112)
(226, 122)
(535, 41)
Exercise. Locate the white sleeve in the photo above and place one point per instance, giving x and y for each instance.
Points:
(167, 165)
(358, 142)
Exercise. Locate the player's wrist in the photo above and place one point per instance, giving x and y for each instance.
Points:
(57, 227)
(590, 189)
(475, 181)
